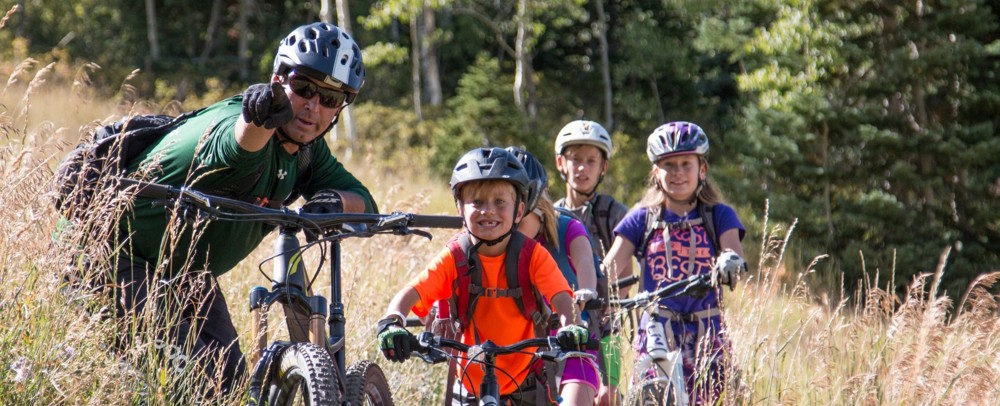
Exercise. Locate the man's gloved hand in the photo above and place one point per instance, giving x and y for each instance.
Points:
(394, 340)
(727, 268)
(573, 338)
(326, 201)
(266, 105)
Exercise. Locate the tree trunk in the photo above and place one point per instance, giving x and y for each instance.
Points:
(602, 36)
(429, 56)
(346, 119)
(415, 40)
(243, 47)
(154, 41)
(213, 25)
(326, 11)
(524, 86)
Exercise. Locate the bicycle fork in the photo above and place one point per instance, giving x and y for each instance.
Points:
(289, 288)
(668, 365)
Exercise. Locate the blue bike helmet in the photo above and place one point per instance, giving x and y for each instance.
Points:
(538, 178)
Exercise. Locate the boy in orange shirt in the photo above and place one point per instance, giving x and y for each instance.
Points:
(490, 187)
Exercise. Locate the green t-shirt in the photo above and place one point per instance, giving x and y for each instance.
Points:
(203, 154)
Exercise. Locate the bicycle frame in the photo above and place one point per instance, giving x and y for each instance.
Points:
(289, 284)
(666, 366)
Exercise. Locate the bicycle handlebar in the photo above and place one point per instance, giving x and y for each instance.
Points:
(225, 208)
(426, 342)
(627, 281)
(691, 285)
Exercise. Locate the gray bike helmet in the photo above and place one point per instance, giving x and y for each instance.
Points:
(584, 132)
(323, 52)
(490, 163)
(676, 138)
(538, 178)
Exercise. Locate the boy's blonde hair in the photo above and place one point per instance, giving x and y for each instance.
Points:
(476, 186)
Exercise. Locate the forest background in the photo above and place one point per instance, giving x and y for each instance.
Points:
(873, 124)
(857, 139)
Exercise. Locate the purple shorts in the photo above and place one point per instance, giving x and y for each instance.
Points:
(582, 370)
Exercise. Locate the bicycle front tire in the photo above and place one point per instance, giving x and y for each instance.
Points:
(650, 393)
(367, 386)
(305, 374)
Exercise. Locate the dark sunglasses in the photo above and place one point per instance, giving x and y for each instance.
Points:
(327, 97)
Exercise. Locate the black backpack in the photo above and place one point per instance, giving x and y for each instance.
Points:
(108, 153)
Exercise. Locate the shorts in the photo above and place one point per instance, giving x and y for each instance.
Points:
(582, 370)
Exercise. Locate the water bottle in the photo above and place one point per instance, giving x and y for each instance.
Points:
(656, 340)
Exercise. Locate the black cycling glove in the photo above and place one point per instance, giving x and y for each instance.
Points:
(326, 201)
(573, 338)
(394, 340)
(266, 105)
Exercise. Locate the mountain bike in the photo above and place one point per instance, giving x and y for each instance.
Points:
(657, 374)
(433, 349)
(310, 367)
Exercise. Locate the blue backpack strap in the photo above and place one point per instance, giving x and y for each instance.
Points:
(560, 251)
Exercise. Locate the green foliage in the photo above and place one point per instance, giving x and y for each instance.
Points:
(862, 129)
(482, 113)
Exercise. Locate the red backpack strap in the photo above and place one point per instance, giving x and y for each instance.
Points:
(517, 266)
(462, 298)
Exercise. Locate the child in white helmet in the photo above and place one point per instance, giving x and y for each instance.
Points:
(583, 149)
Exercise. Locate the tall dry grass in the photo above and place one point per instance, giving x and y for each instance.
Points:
(791, 345)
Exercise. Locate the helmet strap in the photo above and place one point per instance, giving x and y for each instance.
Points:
(284, 139)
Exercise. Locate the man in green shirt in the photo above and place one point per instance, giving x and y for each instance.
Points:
(249, 147)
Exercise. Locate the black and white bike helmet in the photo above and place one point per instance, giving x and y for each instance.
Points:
(676, 138)
(584, 132)
(538, 178)
(490, 163)
(325, 53)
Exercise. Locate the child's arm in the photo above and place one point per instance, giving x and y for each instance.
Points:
(394, 340)
(618, 262)
(401, 304)
(731, 239)
(582, 255)
(572, 335)
(562, 303)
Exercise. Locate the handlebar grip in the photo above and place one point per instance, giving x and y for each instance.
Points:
(413, 322)
(435, 221)
(626, 282)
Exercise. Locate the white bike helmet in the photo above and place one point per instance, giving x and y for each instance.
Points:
(325, 53)
(584, 132)
(676, 138)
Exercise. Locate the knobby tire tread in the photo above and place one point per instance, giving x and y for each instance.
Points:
(366, 382)
(305, 367)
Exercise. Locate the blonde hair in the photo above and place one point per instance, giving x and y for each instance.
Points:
(476, 186)
(655, 196)
(550, 218)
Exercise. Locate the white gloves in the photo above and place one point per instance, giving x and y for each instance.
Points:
(584, 295)
(727, 268)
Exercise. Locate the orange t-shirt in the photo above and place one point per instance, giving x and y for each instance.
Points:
(497, 319)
